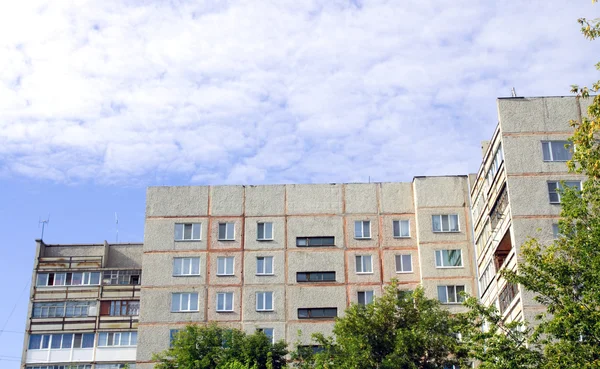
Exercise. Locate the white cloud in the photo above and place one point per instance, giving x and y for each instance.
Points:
(271, 91)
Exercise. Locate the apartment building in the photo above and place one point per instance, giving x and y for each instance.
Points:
(285, 259)
(288, 259)
(515, 192)
(84, 306)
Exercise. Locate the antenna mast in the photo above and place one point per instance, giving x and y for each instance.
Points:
(43, 222)
(117, 226)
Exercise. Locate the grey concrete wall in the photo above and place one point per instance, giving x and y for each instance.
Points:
(265, 200)
(227, 200)
(278, 242)
(177, 201)
(397, 198)
(316, 226)
(316, 261)
(159, 234)
(73, 250)
(125, 256)
(314, 199)
(361, 198)
(158, 269)
(538, 114)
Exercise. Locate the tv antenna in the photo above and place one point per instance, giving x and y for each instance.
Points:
(43, 222)
(117, 226)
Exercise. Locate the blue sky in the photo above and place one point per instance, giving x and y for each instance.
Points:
(99, 99)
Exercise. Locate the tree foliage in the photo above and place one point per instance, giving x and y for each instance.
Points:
(214, 347)
(398, 330)
(497, 344)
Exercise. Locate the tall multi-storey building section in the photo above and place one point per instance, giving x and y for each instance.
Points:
(515, 195)
(288, 259)
(84, 306)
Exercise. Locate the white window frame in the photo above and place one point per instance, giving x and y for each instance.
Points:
(368, 295)
(222, 298)
(441, 222)
(562, 144)
(190, 272)
(361, 235)
(261, 298)
(360, 267)
(264, 226)
(178, 298)
(223, 271)
(439, 259)
(400, 222)
(457, 296)
(117, 339)
(403, 268)
(558, 187)
(264, 265)
(270, 335)
(229, 231)
(194, 236)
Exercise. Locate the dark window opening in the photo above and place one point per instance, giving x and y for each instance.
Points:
(315, 241)
(317, 313)
(315, 277)
(502, 250)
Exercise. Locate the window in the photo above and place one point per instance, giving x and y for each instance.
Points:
(106, 339)
(448, 258)
(488, 275)
(68, 279)
(226, 231)
(120, 308)
(113, 366)
(445, 223)
(507, 295)
(187, 231)
(404, 263)
(555, 230)
(364, 264)
(224, 301)
(70, 366)
(317, 313)
(264, 301)
(554, 188)
(401, 228)
(264, 265)
(362, 229)
(225, 265)
(122, 277)
(61, 341)
(315, 277)
(62, 309)
(315, 241)
(450, 294)
(182, 302)
(365, 297)
(557, 150)
(269, 332)
(186, 266)
(172, 335)
(494, 166)
(264, 231)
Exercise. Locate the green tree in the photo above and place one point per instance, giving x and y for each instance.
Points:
(497, 344)
(398, 330)
(214, 347)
